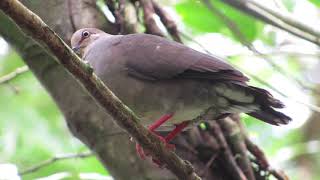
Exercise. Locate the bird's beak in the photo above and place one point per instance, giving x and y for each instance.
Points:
(76, 49)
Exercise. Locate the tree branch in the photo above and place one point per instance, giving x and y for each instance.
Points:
(120, 15)
(262, 160)
(122, 115)
(235, 30)
(8, 77)
(258, 156)
(285, 17)
(111, 6)
(167, 21)
(53, 160)
(236, 172)
(236, 141)
(125, 16)
(148, 15)
(278, 19)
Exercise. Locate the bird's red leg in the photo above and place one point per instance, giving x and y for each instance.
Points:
(169, 137)
(159, 122)
(176, 131)
(165, 139)
(152, 127)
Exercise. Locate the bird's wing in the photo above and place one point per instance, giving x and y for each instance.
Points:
(154, 58)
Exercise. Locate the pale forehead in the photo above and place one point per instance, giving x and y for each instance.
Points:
(76, 37)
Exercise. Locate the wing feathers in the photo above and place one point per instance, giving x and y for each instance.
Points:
(164, 59)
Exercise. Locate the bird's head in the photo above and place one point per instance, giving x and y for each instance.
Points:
(82, 38)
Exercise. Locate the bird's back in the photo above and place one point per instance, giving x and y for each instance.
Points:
(149, 99)
(154, 76)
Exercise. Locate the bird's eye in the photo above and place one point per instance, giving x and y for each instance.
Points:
(85, 34)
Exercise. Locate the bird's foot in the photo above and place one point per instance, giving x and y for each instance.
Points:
(142, 154)
(152, 128)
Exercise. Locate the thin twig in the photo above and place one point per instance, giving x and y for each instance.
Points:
(121, 114)
(234, 169)
(228, 22)
(258, 153)
(262, 160)
(277, 52)
(148, 15)
(235, 139)
(167, 21)
(295, 27)
(285, 17)
(208, 164)
(259, 157)
(278, 174)
(111, 6)
(53, 160)
(188, 37)
(13, 74)
(120, 15)
(71, 15)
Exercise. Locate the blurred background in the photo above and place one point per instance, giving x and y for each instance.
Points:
(286, 65)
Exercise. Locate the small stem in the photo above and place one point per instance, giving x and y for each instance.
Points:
(8, 77)
(53, 160)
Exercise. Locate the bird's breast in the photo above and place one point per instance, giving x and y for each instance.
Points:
(150, 100)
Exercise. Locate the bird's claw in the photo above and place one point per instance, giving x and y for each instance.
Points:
(179, 127)
(143, 154)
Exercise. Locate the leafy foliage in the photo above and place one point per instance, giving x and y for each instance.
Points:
(197, 16)
(316, 2)
(32, 128)
(289, 4)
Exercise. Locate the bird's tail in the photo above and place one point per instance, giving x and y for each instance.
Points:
(253, 101)
(266, 111)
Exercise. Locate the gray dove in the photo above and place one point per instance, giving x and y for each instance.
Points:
(156, 77)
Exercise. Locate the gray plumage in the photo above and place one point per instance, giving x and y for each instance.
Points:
(155, 76)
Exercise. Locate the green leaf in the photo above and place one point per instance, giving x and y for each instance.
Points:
(198, 17)
(12, 61)
(315, 2)
(289, 4)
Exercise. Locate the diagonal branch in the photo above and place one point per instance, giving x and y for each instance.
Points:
(236, 172)
(8, 77)
(229, 23)
(148, 16)
(236, 141)
(53, 160)
(167, 21)
(111, 6)
(259, 157)
(120, 15)
(285, 17)
(122, 115)
(277, 19)
(262, 160)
